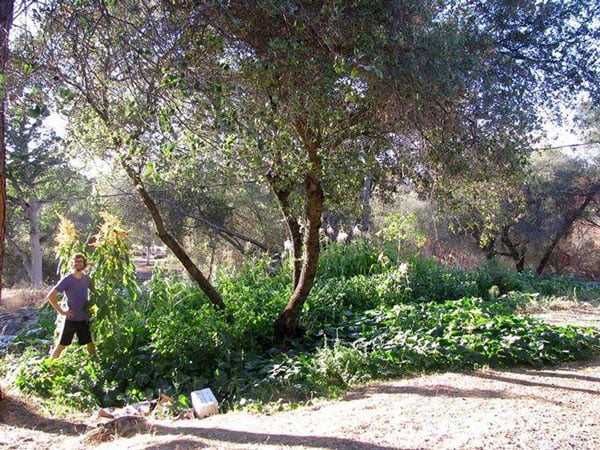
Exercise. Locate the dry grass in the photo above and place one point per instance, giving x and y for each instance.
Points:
(521, 408)
(553, 304)
(14, 299)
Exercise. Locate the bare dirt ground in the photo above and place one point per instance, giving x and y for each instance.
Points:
(523, 408)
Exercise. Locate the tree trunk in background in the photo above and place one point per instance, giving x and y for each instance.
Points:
(366, 213)
(6, 17)
(32, 258)
(35, 263)
(592, 190)
(515, 251)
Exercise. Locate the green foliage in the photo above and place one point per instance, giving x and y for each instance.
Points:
(393, 321)
(41, 334)
(67, 383)
(113, 275)
(254, 298)
(185, 334)
(332, 299)
(463, 334)
(403, 229)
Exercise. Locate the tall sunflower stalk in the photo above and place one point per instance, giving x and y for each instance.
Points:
(67, 244)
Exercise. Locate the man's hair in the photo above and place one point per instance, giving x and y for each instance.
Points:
(77, 256)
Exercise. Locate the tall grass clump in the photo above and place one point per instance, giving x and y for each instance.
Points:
(430, 281)
(355, 258)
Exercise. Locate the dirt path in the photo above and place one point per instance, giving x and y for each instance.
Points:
(554, 408)
(511, 409)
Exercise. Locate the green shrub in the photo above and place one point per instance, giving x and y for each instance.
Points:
(67, 383)
(254, 298)
(364, 322)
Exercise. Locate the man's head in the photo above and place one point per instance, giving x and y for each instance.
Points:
(78, 262)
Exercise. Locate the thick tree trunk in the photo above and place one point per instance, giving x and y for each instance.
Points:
(6, 18)
(287, 325)
(171, 242)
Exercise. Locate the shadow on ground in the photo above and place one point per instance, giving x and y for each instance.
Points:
(17, 413)
(244, 437)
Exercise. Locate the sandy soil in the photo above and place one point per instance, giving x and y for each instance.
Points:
(553, 408)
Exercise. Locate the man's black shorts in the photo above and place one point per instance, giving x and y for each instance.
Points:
(81, 328)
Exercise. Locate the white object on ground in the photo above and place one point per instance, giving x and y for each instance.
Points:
(204, 403)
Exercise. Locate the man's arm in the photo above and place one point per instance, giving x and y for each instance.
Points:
(52, 299)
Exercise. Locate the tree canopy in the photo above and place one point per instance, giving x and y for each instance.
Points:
(312, 97)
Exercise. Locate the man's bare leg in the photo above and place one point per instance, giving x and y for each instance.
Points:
(57, 351)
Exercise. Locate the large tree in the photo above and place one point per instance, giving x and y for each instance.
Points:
(456, 84)
(297, 90)
(116, 69)
(6, 18)
(295, 117)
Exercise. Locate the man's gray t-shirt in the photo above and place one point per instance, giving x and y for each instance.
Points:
(76, 290)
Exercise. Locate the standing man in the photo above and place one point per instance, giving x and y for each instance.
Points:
(76, 287)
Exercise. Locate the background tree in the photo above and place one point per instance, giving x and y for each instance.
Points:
(525, 220)
(29, 174)
(6, 18)
(577, 195)
(37, 175)
(38, 170)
